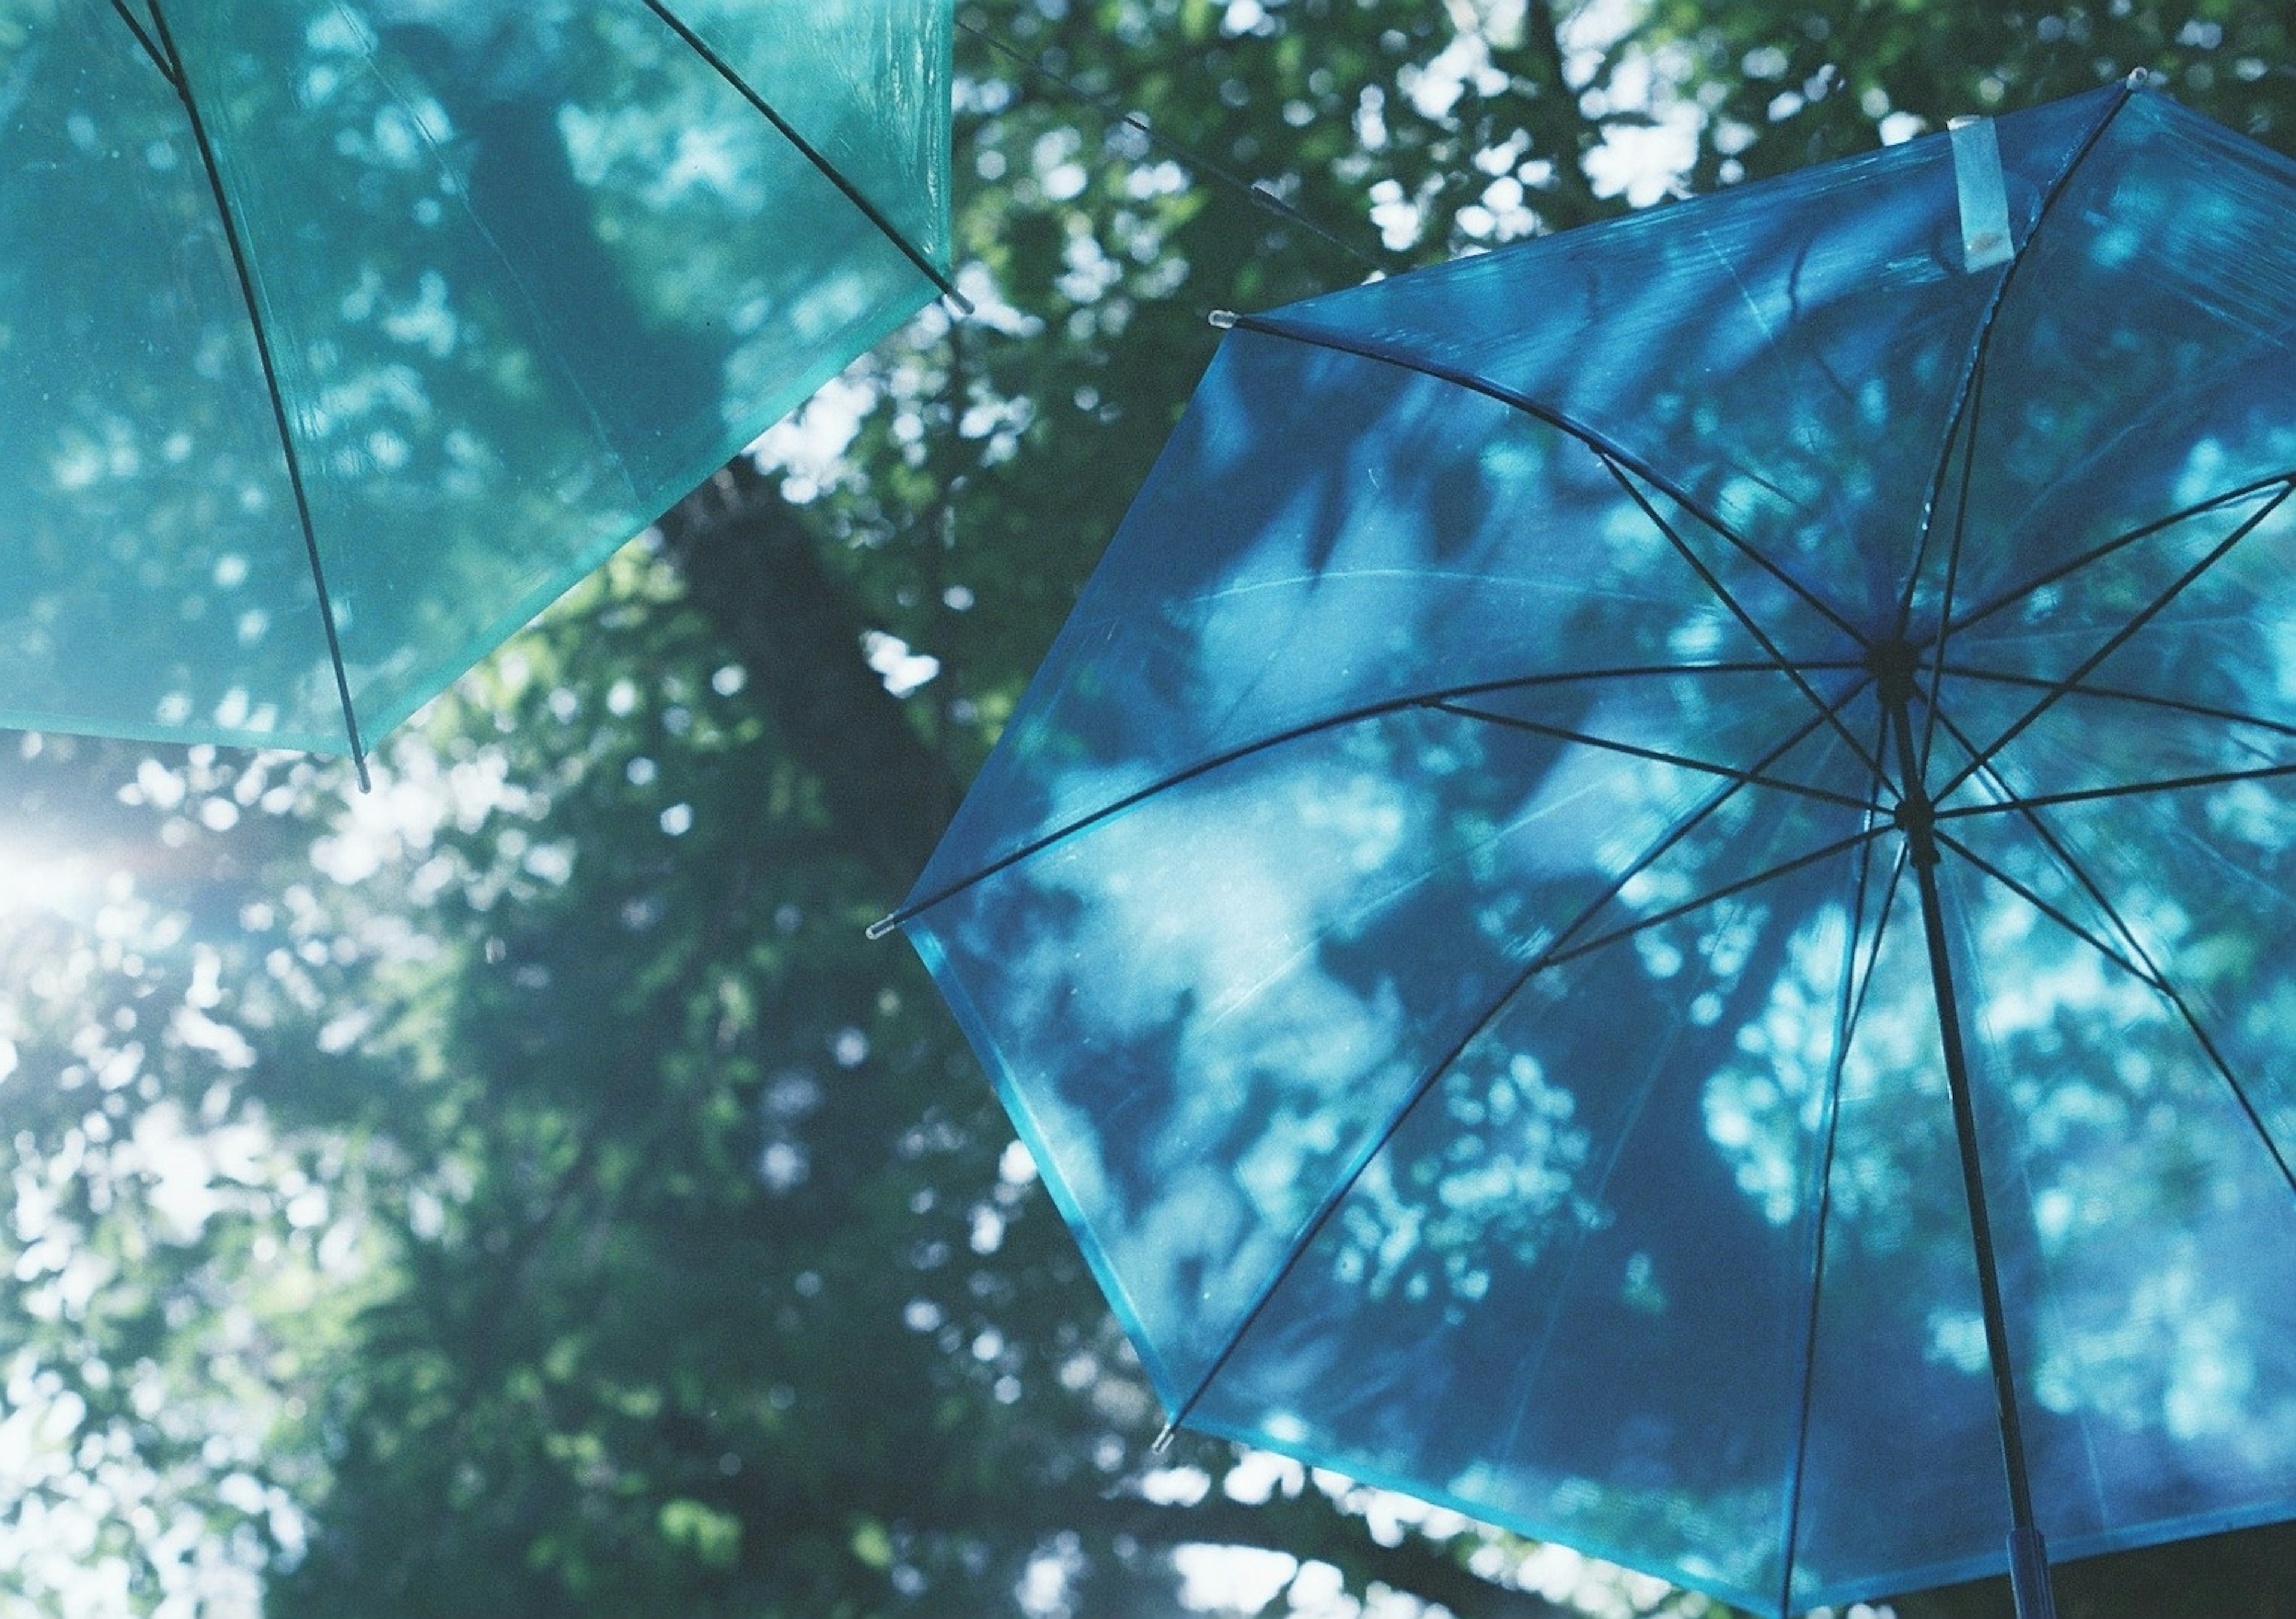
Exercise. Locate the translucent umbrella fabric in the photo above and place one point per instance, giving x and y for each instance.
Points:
(1445, 918)
(388, 320)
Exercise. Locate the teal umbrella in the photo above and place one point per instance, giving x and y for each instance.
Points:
(1651, 893)
(339, 337)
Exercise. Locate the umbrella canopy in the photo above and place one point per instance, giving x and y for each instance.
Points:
(339, 337)
(1650, 893)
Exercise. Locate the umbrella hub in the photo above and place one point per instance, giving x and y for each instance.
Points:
(1916, 817)
(1896, 664)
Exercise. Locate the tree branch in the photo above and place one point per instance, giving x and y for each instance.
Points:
(752, 568)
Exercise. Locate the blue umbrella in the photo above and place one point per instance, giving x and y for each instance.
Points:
(1650, 893)
(339, 337)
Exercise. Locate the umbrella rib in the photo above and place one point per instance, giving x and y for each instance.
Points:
(1634, 750)
(2152, 975)
(2118, 638)
(246, 276)
(2125, 789)
(2206, 711)
(813, 155)
(1738, 611)
(1853, 988)
(1435, 1071)
(1418, 699)
(1611, 452)
(1965, 394)
(167, 69)
(2104, 549)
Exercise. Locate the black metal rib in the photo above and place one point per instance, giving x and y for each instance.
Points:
(1982, 342)
(2121, 542)
(2120, 638)
(1434, 1072)
(2154, 975)
(812, 154)
(1854, 987)
(1737, 611)
(2204, 711)
(1613, 453)
(1109, 108)
(1417, 699)
(1682, 761)
(168, 69)
(2126, 789)
(239, 266)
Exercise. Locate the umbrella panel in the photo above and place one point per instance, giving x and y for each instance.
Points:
(1787, 357)
(1328, 535)
(1549, 1294)
(2193, 613)
(527, 274)
(158, 581)
(2151, 374)
(865, 83)
(1332, 916)
(517, 317)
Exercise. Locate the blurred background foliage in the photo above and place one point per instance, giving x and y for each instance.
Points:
(523, 1192)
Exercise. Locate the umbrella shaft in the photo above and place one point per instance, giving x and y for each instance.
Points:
(1980, 1227)
(2029, 1563)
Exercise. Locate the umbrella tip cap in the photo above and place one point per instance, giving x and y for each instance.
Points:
(1163, 1440)
(882, 926)
(1223, 319)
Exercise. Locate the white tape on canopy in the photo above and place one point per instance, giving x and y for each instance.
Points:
(1984, 203)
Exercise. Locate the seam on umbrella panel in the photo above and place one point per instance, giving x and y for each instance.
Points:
(1658, 755)
(2205, 711)
(2134, 790)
